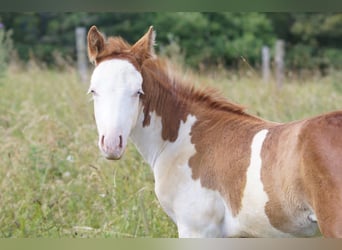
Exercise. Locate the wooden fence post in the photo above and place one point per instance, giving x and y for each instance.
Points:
(82, 63)
(265, 57)
(279, 62)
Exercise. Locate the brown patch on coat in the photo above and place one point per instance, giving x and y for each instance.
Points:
(301, 169)
(281, 177)
(223, 148)
(161, 96)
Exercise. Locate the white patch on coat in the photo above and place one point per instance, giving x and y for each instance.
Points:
(197, 211)
(252, 219)
(148, 140)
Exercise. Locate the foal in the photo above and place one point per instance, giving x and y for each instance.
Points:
(219, 172)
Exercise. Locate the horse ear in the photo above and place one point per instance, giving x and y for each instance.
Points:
(96, 43)
(144, 47)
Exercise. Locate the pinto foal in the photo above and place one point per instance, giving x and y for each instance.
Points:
(219, 172)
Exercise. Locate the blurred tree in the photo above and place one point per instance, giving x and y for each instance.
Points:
(313, 40)
(212, 38)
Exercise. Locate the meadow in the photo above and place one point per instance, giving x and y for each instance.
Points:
(55, 183)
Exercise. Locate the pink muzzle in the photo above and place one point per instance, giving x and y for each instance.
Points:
(112, 147)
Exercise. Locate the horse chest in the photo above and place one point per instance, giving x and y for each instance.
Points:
(196, 210)
(203, 212)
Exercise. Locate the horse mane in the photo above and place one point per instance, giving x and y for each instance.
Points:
(157, 70)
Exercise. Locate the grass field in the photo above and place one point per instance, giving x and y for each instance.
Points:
(53, 180)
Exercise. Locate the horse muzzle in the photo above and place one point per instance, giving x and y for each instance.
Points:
(112, 147)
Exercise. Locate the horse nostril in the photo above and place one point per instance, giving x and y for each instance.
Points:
(120, 141)
(102, 141)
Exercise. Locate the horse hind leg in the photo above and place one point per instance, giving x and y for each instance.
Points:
(329, 219)
(325, 196)
(322, 172)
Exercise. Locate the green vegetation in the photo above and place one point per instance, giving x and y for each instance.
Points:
(313, 40)
(53, 180)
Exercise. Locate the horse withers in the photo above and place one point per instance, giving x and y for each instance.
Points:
(219, 171)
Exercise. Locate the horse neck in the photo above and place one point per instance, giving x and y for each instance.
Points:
(161, 113)
(168, 110)
(147, 139)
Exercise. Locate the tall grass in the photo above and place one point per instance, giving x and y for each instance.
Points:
(53, 181)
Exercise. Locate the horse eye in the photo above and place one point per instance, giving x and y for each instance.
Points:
(140, 92)
(91, 91)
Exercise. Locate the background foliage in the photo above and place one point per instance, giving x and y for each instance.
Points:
(53, 180)
(313, 40)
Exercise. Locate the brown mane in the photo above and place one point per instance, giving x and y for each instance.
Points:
(173, 99)
(158, 71)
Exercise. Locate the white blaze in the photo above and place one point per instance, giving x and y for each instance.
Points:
(115, 85)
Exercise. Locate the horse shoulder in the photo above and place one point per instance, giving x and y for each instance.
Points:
(197, 211)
